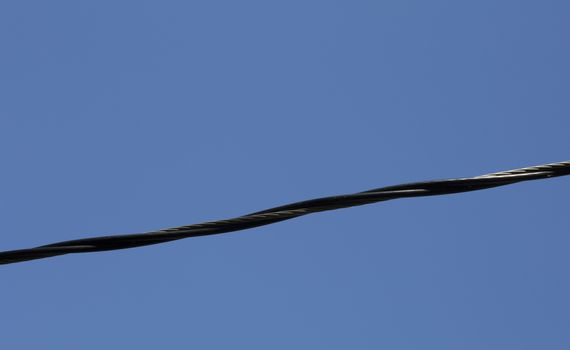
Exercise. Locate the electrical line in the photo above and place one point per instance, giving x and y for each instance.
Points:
(289, 211)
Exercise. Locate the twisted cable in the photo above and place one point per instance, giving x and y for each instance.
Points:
(289, 211)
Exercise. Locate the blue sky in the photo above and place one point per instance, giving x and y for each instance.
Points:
(130, 116)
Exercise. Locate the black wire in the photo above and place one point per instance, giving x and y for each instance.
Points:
(289, 211)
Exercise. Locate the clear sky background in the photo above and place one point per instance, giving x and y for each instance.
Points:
(129, 116)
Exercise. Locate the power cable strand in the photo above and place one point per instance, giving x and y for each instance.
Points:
(289, 211)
